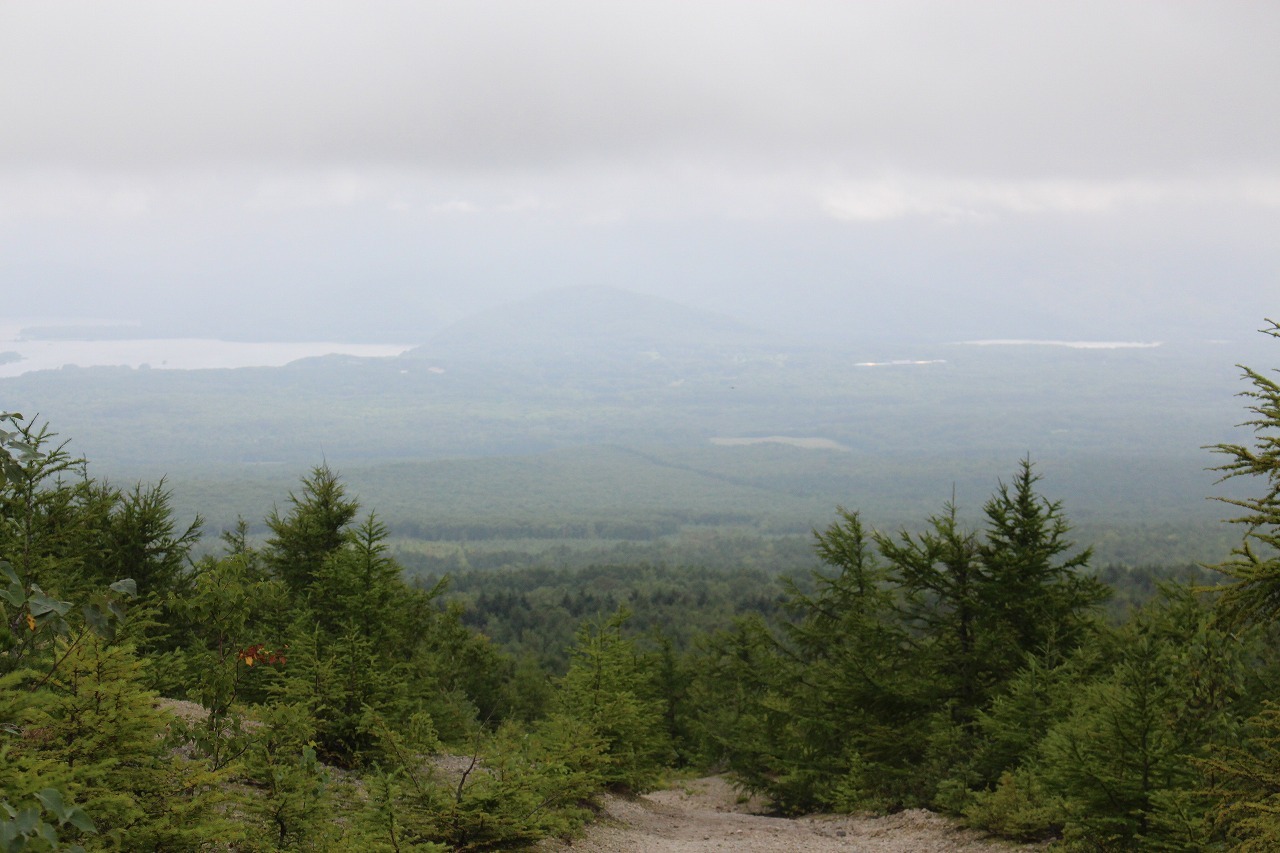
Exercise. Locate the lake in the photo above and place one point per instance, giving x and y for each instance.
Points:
(18, 356)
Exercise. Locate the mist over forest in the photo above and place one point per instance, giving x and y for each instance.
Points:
(595, 409)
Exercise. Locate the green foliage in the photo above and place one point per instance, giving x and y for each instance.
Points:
(1020, 807)
(942, 585)
(1254, 566)
(25, 828)
(874, 693)
(314, 529)
(1127, 760)
(1245, 772)
(459, 676)
(849, 709)
(560, 762)
(609, 687)
(292, 802)
(1011, 728)
(734, 671)
(356, 585)
(341, 681)
(103, 726)
(1118, 746)
(1039, 597)
(519, 786)
(383, 822)
(312, 650)
(14, 449)
(231, 609)
(982, 604)
(533, 610)
(72, 535)
(1246, 789)
(36, 697)
(362, 643)
(142, 541)
(51, 511)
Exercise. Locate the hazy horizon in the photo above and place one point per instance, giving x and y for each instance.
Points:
(50, 342)
(370, 174)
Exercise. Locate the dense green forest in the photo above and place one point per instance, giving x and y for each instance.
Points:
(299, 687)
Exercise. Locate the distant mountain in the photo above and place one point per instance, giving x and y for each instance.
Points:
(578, 322)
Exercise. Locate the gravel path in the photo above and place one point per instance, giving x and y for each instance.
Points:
(706, 815)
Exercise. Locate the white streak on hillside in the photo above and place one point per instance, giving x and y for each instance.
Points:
(900, 361)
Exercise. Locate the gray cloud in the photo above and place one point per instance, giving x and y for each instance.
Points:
(976, 169)
(1070, 89)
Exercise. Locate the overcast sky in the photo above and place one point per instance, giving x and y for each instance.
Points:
(946, 169)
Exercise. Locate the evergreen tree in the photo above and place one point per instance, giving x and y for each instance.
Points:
(737, 675)
(357, 586)
(344, 683)
(1038, 594)
(943, 588)
(141, 541)
(104, 727)
(456, 673)
(51, 511)
(230, 629)
(1248, 790)
(873, 694)
(314, 529)
(609, 688)
(1254, 566)
(848, 697)
(293, 804)
(1130, 759)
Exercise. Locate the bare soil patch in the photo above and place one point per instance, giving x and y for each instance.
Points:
(708, 814)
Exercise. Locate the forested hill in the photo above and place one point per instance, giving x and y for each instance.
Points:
(601, 323)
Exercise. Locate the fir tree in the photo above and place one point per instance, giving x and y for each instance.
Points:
(608, 688)
(314, 529)
(1254, 566)
(1039, 594)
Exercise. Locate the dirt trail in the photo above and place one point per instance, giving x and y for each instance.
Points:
(706, 815)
